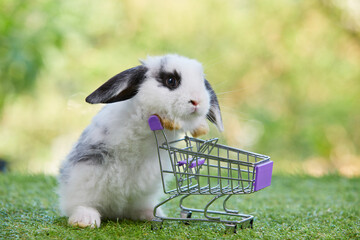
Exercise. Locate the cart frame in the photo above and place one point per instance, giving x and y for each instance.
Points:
(204, 167)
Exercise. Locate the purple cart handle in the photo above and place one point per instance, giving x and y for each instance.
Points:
(154, 123)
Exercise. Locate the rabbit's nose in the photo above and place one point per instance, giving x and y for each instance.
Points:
(194, 102)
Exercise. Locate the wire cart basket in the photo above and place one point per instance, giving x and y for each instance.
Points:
(204, 167)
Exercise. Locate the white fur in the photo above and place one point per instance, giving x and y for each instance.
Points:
(127, 184)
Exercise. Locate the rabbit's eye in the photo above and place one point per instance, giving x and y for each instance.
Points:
(172, 82)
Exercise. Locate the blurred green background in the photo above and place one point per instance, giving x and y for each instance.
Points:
(286, 73)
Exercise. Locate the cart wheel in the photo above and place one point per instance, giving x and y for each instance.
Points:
(156, 224)
(230, 228)
(186, 214)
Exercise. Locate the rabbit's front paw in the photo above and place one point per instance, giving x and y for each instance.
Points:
(85, 217)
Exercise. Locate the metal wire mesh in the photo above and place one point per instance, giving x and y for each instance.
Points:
(206, 167)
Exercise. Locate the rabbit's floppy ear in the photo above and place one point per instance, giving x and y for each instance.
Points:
(122, 86)
(214, 114)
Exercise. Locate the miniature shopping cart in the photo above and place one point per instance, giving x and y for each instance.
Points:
(204, 167)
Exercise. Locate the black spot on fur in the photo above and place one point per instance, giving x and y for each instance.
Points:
(171, 80)
(163, 62)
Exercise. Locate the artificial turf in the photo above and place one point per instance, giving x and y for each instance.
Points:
(294, 207)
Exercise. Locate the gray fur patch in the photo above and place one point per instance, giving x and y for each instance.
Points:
(163, 62)
(93, 154)
(64, 172)
(89, 153)
(84, 152)
(105, 131)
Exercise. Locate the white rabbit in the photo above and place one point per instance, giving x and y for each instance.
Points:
(113, 171)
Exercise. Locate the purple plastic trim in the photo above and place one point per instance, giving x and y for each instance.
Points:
(154, 123)
(197, 163)
(263, 175)
(182, 162)
(192, 163)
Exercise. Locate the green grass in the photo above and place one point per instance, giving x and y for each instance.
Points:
(294, 207)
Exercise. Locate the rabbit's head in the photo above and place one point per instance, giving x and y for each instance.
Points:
(172, 86)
